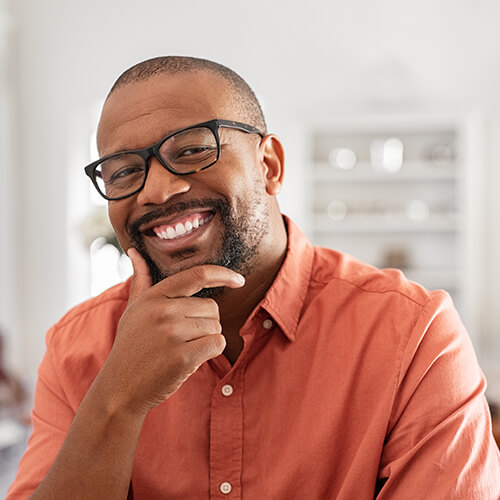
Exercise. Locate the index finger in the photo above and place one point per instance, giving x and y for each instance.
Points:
(190, 281)
(141, 280)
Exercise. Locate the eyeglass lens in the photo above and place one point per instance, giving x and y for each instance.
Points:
(185, 152)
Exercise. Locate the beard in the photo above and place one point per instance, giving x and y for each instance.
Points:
(240, 241)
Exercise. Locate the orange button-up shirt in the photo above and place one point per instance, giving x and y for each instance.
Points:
(352, 380)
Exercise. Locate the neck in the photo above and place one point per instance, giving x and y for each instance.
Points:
(236, 305)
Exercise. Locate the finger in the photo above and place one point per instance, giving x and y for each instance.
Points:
(195, 328)
(141, 280)
(195, 307)
(190, 281)
(207, 347)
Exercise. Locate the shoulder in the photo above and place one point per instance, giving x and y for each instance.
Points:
(375, 304)
(380, 318)
(106, 303)
(342, 272)
(79, 343)
(90, 326)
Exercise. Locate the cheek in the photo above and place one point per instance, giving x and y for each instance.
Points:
(227, 179)
(238, 175)
(238, 189)
(118, 213)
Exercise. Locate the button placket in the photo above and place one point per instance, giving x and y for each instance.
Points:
(226, 437)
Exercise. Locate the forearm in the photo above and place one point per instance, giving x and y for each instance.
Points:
(96, 458)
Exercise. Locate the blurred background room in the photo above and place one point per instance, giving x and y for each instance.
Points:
(389, 112)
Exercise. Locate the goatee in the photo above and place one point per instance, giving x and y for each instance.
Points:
(240, 241)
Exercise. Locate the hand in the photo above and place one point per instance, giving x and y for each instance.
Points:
(165, 334)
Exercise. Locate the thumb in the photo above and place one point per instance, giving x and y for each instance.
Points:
(141, 279)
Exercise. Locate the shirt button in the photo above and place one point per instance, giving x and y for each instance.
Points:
(267, 324)
(225, 488)
(227, 390)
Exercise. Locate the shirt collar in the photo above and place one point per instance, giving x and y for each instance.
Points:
(284, 300)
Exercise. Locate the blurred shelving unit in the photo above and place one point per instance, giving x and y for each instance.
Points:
(401, 191)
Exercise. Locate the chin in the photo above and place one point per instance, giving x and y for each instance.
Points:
(180, 261)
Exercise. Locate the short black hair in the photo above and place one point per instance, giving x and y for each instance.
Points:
(172, 65)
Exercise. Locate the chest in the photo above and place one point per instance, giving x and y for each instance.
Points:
(286, 421)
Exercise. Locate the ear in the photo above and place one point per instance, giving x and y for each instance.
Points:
(273, 162)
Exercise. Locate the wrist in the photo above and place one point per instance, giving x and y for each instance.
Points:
(112, 402)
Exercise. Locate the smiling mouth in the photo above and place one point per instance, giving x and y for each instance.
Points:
(182, 227)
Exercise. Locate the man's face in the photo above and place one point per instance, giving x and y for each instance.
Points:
(219, 215)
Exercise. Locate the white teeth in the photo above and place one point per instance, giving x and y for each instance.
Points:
(180, 229)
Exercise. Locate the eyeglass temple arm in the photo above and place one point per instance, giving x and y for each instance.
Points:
(240, 126)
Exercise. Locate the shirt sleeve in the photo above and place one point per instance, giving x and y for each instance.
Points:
(51, 419)
(439, 443)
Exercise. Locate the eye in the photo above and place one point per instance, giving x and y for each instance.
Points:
(193, 155)
(191, 149)
(194, 150)
(126, 172)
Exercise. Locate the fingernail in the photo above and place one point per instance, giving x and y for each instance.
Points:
(241, 279)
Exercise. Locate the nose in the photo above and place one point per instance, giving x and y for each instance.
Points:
(161, 185)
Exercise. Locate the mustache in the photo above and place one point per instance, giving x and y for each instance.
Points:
(220, 206)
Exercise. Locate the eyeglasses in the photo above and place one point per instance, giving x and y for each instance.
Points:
(184, 152)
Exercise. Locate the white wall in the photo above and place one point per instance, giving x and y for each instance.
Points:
(300, 57)
(490, 351)
(8, 196)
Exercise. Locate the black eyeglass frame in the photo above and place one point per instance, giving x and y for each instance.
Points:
(154, 150)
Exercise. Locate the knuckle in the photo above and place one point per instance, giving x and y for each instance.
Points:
(212, 306)
(204, 325)
(199, 324)
(169, 310)
(216, 327)
(209, 326)
(211, 302)
(210, 347)
(219, 343)
(167, 315)
(183, 361)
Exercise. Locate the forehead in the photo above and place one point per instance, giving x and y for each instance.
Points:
(141, 113)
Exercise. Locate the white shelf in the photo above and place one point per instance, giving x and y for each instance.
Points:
(381, 209)
(363, 172)
(383, 224)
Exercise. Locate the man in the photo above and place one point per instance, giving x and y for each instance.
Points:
(240, 361)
